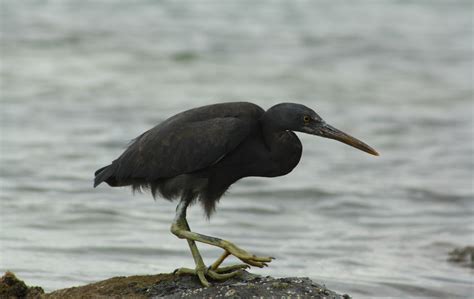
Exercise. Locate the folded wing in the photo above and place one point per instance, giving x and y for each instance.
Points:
(175, 148)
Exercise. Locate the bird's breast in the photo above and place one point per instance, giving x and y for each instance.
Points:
(285, 153)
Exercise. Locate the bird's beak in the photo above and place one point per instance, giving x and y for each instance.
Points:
(327, 131)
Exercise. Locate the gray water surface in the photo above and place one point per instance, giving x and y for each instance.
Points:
(79, 79)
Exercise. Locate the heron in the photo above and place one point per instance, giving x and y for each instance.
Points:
(196, 155)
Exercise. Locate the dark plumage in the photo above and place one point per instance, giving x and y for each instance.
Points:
(201, 152)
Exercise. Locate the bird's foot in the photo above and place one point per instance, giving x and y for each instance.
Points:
(231, 268)
(222, 273)
(244, 256)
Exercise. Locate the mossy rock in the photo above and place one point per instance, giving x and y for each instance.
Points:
(245, 285)
(12, 287)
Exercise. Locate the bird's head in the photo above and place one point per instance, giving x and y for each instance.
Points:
(299, 118)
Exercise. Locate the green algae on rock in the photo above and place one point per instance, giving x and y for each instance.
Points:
(124, 287)
(12, 287)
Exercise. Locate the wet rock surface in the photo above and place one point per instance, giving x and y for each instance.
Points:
(246, 285)
(463, 256)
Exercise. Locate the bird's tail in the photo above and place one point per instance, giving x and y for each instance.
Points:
(105, 174)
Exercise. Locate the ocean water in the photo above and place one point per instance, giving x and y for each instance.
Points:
(79, 79)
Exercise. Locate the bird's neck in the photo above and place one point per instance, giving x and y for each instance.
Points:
(276, 138)
(270, 131)
(284, 149)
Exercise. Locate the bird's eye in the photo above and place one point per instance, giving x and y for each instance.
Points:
(306, 119)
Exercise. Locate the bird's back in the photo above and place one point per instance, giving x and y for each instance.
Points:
(242, 110)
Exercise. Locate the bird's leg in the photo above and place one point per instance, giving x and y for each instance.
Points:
(231, 248)
(180, 229)
(216, 265)
(219, 261)
(180, 225)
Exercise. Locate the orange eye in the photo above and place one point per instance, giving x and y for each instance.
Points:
(306, 119)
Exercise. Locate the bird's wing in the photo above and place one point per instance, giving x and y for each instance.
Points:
(177, 148)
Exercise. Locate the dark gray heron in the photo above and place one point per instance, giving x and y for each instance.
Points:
(197, 154)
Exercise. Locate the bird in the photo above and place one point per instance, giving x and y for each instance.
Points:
(196, 155)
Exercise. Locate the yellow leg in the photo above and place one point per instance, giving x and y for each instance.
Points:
(229, 247)
(180, 228)
(216, 265)
(219, 261)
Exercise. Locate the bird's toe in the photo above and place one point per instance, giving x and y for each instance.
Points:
(223, 276)
(231, 268)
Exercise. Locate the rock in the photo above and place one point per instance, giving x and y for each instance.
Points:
(170, 286)
(463, 256)
(12, 287)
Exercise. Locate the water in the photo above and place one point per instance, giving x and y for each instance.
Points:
(82, 78)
